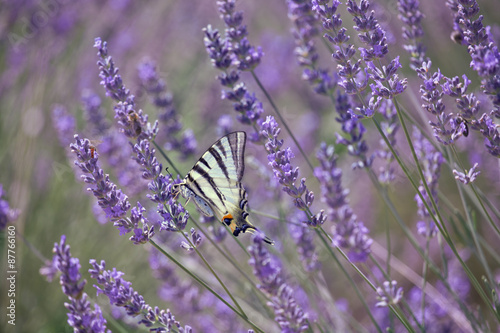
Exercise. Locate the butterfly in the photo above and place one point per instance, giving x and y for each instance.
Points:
(214, 184)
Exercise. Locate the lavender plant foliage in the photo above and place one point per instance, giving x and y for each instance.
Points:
(121, 294)
(7, 214)
(80, 316)
(289, 315)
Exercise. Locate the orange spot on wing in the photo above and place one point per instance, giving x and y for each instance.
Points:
(231, 225)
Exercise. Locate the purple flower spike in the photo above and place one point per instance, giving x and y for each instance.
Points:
(469, 176)
(305, 30)
(111, 80)
(121, 294)
(156, 88)
(413, 32)
(483, 51)
(289, 315)
(7, 214)
(65, 125)
(353, 77)
(231, 55)
(80, 316)
(96, 117)
(431, 161)
(349, 234)
(280, 160)
(245, 56)
(111, 199)
(133, 123)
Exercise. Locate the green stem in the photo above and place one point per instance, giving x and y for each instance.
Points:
(214, 274)
(278, 113)
(356, 290)
(200, 281)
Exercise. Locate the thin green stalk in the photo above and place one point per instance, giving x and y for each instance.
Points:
(166, 158)
(278, 113)
(442, 227)
(200, 281)
(354, 286)
(388, 278)
(470, 225)
(223, 285)
(485, 211)
(424, 278)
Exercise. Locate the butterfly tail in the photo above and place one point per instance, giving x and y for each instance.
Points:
(254, 230)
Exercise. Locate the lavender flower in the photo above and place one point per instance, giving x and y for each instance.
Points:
(232, 55)
(64, 123)
(431, 161)
(356, 145)
(156, 88)
(389, 295)
(245, 56)
(279, 159)
(194, 242)
(468, 176)
(469, 108)
(80, 316)
(121, 294)
(111, 199)
(96, 118)
(446, 128)
(413, 32)
(289, 315)
(348, 71)
(483, 51)
(303, 238)
(7, 214)
(135, 126)
(305, 30)
(224, 125)
(133, 123)
(386, 83)
(348, 232)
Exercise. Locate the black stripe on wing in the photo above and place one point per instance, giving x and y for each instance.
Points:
(237, 142)
(198, 169)
(218, 157)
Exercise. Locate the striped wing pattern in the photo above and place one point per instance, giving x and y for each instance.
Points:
(214, 183)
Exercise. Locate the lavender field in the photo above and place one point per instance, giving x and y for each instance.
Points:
(371, 166)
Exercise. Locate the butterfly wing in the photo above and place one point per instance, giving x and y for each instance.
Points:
(215, 183)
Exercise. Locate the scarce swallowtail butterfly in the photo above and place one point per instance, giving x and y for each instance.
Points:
(214, 184)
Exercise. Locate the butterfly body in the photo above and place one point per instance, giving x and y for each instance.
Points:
(214, 184)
